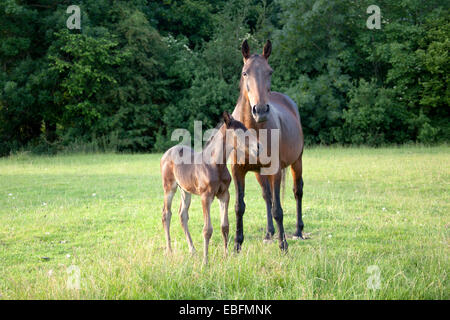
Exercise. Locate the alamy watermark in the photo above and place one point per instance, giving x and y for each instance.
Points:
(242, 142)
(73, 280)
(374, 280)
(74, 20)
(374, 20)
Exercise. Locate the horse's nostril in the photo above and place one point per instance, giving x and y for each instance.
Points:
(267, 110)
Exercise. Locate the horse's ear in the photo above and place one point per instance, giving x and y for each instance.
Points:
(267, 49)
(227, 118)
(245, 50)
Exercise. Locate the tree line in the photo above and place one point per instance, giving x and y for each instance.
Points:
(136, 70)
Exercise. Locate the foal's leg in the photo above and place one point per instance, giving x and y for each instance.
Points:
(277, 211)
(207, 227)
(169, 191)
(224, 199)
(184, 217)
(267, 195)
(239, 183)
(296, 169)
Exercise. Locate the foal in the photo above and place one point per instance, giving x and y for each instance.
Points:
(205, 174)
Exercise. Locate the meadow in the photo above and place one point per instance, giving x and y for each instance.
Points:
(88, 226)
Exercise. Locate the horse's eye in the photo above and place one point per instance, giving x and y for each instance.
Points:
(244, 74)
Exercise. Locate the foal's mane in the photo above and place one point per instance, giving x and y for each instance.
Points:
(220, 124)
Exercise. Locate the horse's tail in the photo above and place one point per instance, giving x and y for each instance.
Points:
(283, 183)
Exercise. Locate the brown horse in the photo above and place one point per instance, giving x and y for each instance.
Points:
(205, 174)
(260, 108)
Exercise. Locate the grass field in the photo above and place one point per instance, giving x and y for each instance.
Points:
(97, 218)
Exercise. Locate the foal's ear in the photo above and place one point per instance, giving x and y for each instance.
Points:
(227, 118)
(267, 49)
(245, 50)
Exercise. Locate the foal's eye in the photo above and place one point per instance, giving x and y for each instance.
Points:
(244, 74)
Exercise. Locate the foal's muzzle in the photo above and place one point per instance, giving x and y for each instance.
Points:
(260, 112)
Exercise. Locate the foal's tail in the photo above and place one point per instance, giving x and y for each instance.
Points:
(283, 183)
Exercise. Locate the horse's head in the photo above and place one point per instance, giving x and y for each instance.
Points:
(243, 140)
(255, 80)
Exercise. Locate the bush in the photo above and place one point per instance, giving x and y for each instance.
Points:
(428, 134)
(373, 117)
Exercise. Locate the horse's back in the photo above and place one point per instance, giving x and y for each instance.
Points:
(176, 153)
(176, 157)
(289, 122)
(183, 164)
(285, 102)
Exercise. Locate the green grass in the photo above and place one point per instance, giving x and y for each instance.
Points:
(363, 207)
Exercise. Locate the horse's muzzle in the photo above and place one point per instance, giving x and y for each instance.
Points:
(260, 112)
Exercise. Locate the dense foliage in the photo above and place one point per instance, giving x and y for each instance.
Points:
(138, 69)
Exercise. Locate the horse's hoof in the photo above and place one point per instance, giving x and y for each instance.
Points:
(284, 246)
(301, 236)
(268, 237)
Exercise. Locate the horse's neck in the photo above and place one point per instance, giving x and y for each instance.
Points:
(217, 148)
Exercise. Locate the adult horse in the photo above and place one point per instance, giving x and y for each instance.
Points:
(260, 108)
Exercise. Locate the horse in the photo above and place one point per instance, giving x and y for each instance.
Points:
(205, 174)
(260, 108)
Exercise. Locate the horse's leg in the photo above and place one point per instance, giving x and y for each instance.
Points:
(267, 195)
(277, 211)
(296, 169)
(184, 217)
(170, 187)
(239, 183)
(207, 227)
(224, 199)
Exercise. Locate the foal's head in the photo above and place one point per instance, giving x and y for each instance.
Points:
(243, 140)
(255, 80)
